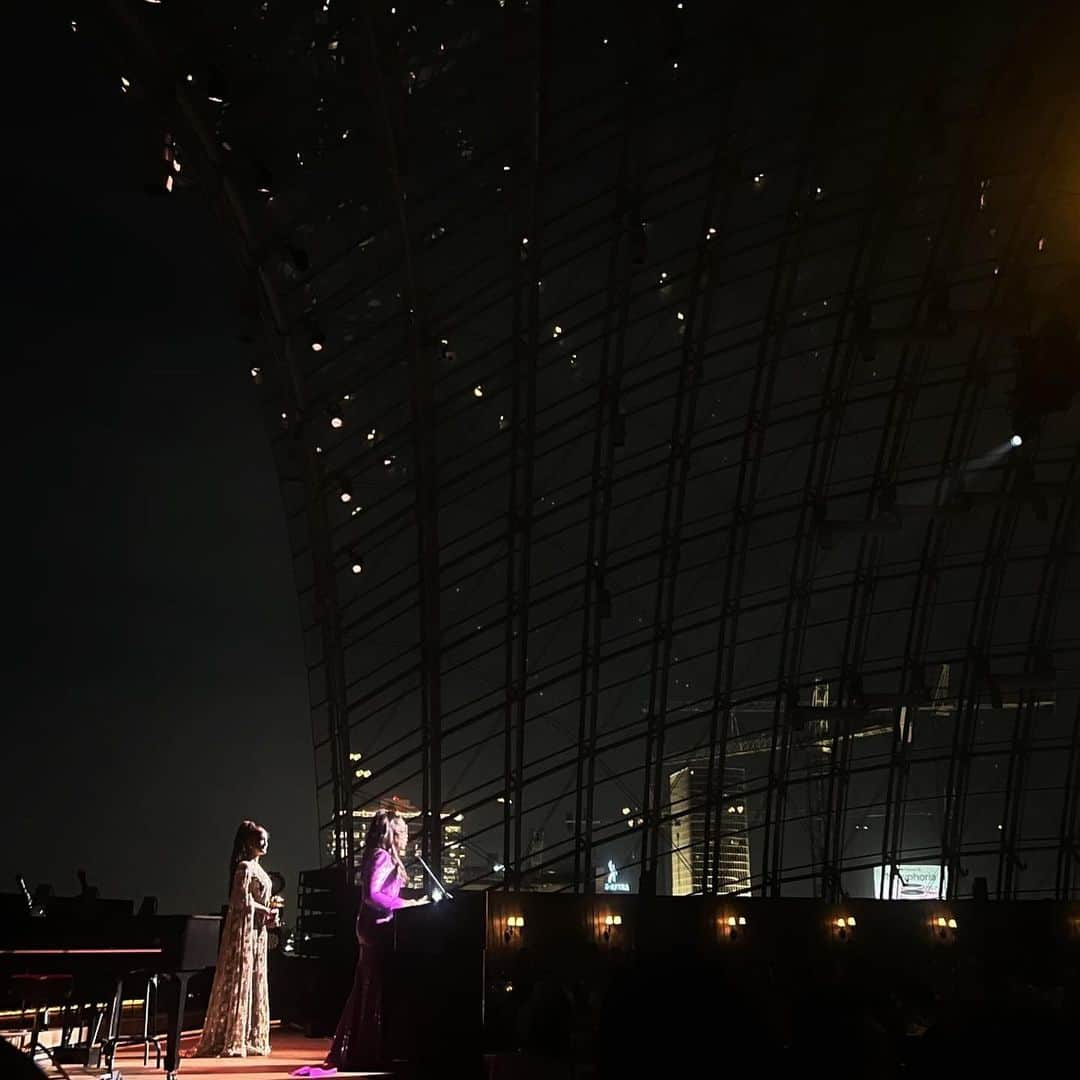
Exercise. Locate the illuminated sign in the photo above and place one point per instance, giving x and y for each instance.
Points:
(613, 884)
(913, 881)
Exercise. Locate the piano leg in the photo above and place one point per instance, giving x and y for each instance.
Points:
(179, 981)
(93, 1034)
(112, 1033)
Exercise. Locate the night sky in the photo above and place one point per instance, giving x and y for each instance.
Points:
(156, 690)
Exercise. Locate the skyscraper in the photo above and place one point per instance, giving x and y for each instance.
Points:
(453, 856)
(729, 840)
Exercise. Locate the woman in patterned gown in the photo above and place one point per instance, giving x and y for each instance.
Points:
(238, 1015)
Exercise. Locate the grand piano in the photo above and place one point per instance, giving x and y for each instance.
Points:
(99, 950)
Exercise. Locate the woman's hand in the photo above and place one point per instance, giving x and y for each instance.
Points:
(268, 914)
(418, 902)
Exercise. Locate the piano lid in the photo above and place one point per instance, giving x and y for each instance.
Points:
(174, 942)
(104, 951)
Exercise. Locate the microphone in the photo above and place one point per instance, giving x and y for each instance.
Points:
(431, 874)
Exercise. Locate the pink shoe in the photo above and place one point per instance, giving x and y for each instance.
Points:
(320, 1071)
(304, 1070)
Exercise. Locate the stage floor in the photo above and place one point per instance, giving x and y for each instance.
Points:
(289, 1050)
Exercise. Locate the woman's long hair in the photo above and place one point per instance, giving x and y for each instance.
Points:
(380, 836)
(247, 842)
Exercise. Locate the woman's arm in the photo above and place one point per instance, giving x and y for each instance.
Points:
(383, 885)
(241, 893)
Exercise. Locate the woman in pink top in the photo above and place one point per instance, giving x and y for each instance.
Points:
(358, 1041)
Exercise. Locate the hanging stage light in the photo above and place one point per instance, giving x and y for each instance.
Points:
(215, 87)
(337, 416)
(316, 340)
(344, 492)
(356, 563)
(1016, 440)
(263, 179)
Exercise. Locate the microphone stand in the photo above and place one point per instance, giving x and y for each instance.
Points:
(431, 874)
(32, 909)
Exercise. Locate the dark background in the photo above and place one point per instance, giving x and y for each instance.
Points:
(155, 688)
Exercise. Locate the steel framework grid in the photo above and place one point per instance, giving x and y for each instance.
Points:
(667, 368)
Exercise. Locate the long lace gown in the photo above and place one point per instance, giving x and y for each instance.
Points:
(359, 1040)
(238, 1015)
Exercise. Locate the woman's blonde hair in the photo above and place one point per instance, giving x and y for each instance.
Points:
(380, 836)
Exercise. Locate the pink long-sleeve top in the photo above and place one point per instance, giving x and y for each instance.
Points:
(382, 886)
